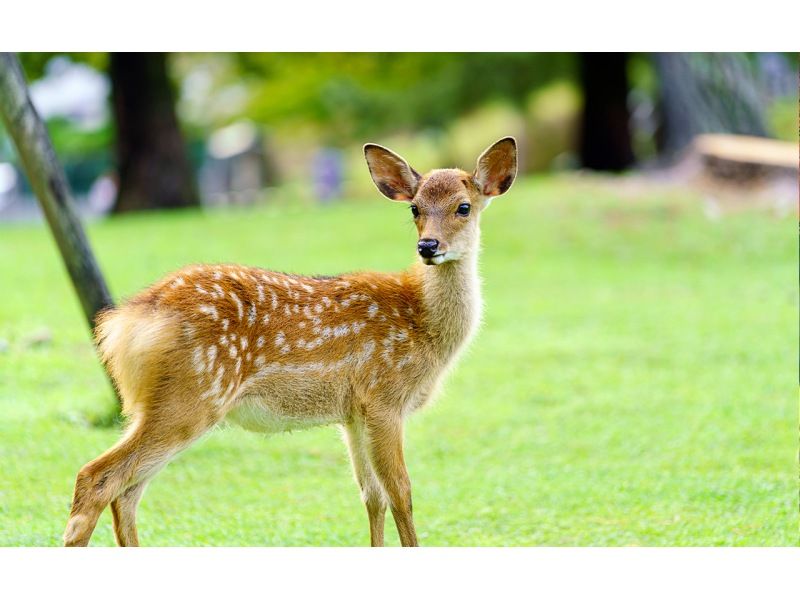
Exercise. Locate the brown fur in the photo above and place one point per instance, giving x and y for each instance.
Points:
(273, 351)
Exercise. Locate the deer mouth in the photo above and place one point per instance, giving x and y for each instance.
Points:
(435, 260)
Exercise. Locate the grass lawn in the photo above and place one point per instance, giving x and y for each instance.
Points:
(634, 382)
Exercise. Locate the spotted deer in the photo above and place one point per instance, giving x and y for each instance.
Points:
(273, 352)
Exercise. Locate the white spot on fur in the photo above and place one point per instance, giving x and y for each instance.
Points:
(372, 310)
(200, 289)
(238, 303)
(260, 291)
(197, 360)
(280, 339)
(259, 361)
(318, 308)
(238, 365)
(209, 310)
(217, 275)
(301, 325)
(218, 292)
(260, 342)
(211, 352)
(265, 319)
(286, 310)
(178, 282)
(243, 343)
(274, 299)
(232, 351)
(326, 301)
(251, 315)
(225, 324)
(285, 349)
(307, 288)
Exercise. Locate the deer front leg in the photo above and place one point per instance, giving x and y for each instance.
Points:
(385, 444)
(371, 492)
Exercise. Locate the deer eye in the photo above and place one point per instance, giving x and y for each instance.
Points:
(463, 209)
(414, 211)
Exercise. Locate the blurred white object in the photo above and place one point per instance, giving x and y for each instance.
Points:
(232, 140)
(73, 91)
(8, 177)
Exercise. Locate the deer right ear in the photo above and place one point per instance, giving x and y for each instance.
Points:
(391, 173)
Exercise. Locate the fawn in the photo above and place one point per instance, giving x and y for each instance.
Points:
(273, 352)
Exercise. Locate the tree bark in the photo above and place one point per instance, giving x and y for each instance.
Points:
(153, 167)
(605, 130)
(49, 183)
(706, 93)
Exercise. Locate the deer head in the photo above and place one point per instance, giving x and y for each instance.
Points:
(445, 203)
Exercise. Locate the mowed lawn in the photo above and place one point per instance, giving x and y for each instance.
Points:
(634, 382)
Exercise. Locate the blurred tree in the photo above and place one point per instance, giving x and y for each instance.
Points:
(709, 93)
(605, 126)
(352, 95)
(153, 167)
(151, 158)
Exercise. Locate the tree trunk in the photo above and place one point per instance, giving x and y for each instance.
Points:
(49, 183)
(154, 170)
(605, 131)
(707, 93)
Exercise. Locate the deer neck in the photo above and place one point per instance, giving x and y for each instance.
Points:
(452, 302)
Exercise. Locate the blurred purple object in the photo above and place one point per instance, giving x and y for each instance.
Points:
(327, 173)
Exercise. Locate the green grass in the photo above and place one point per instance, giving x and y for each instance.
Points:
(634, 382)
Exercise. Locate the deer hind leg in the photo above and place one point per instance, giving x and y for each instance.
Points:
(372, 493)
(123, 511)
(147, 447)
(385, 446)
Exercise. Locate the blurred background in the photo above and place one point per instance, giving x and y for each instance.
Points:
(154, 130)
(635, 379)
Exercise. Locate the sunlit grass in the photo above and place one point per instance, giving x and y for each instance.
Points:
(633, 383)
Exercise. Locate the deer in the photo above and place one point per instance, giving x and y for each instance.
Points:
(274, 352)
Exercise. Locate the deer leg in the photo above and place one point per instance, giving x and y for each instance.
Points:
(145, 449)
(123, 511)
(385, 441)
(371, 492)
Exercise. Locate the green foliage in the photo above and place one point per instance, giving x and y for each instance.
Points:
(356, 94)
(35, 63)
(629, 386)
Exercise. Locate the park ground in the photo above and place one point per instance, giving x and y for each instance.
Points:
(634, 381)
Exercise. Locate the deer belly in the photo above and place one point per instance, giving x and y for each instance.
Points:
(289, 403)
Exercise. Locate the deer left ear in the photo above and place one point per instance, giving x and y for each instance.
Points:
(497, 167)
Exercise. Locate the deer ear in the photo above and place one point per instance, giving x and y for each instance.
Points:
(391, 173)
(497, 167)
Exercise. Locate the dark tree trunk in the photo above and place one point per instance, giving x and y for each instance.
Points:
(605, 130)
(49, 183)
(154, 170)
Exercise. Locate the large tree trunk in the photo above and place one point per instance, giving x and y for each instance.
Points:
(154, 170)
(707, 93)
(605, 130)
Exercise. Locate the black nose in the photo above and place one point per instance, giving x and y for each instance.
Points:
(427, 247)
